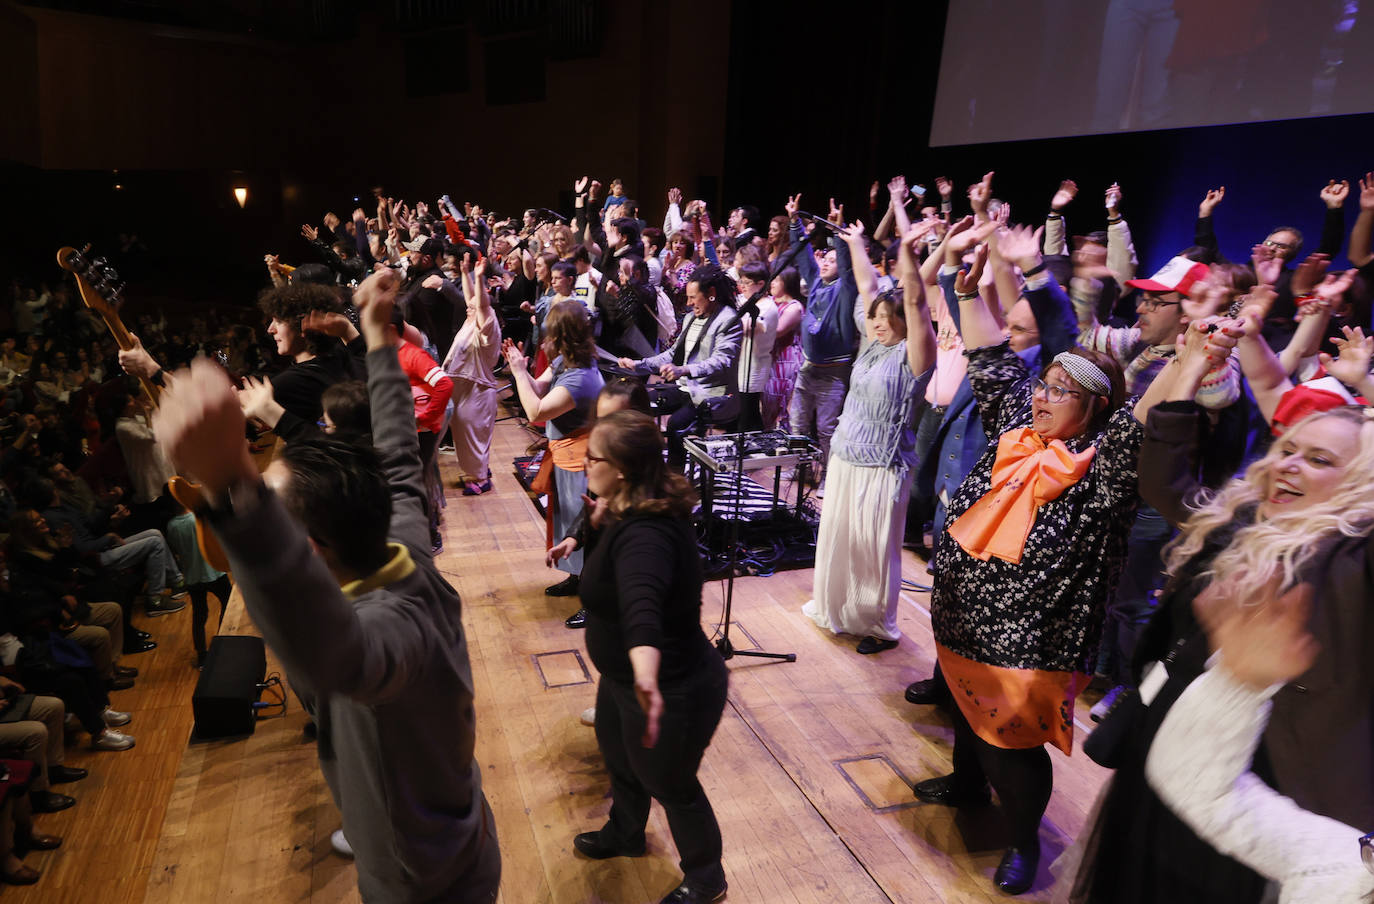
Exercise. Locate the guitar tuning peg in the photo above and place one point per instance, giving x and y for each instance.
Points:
(86, 248)
(111, 275)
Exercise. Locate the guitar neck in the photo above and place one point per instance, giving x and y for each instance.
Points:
(126, 342)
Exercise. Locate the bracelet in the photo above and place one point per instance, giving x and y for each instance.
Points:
(1054, 216)
(966, 296)
(157, 378)
(1112, 221)
(1034, 270)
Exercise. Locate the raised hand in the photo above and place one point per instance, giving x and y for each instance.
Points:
(1112, 200)
(330, 221)
(896, 189)
(1266, 264)
(873, 194)
(675, 196)
(1335, 193)
(515, 355)
(1258, 301)
(1209, 203)
(199, 424)
(1309, 272)
(1068, 190)
(836, 215)
(1367, 192)
(794, 202)
(1021, 245)
(593, 190)
(854, 232)
(359, 214)
(328, 322)
(1262, 642)
(257, 401)
(1332, 289)
(1354, 352)
(580, 185)
(966, 281)
(944, 187)
(310, 232)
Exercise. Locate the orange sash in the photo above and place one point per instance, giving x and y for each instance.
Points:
(1027, 473)
(566, 454)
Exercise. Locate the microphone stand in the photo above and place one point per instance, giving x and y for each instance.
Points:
(727, 649)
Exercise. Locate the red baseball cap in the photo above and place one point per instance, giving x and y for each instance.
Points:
(1179, 275)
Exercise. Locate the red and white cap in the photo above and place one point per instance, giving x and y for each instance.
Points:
(1179, 275)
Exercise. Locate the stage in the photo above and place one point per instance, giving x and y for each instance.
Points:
(809, 772)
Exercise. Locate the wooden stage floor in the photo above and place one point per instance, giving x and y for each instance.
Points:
(809, 772)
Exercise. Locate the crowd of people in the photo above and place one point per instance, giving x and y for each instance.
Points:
(1113, 477)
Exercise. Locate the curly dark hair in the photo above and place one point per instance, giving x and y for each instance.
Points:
(294, 301)
(708, 277)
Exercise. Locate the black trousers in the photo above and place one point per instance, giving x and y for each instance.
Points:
(200, 607)
(666, 772)
(1022, 778)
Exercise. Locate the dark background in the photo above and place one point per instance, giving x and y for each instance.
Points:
(506, 102)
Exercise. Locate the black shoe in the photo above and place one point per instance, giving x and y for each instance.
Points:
(565, 587)
(871, 644)
(944, 791)
(931, 691)
(50, 801)
(577, 620)
(311, 731)
(589, 844)
(125, 671)
(134, 645)
(58, 775)
(1016, 873)
(436, 544)
(135, 632)
(121, 684)
(693, 894)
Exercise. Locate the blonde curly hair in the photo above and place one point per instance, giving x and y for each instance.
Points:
(1280, 545)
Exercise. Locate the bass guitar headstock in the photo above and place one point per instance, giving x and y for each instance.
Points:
(101, 288)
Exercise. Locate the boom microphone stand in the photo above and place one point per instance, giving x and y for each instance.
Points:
(727, 650)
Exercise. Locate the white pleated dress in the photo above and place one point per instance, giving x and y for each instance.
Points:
(872, 463)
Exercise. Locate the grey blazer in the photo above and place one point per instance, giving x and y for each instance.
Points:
(709, 364)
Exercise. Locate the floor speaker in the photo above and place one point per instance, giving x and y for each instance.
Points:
(228, 687)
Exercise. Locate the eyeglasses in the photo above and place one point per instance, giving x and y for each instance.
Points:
(1270, 243)
(1367, 851)
(1054, 393)
(1150, 303)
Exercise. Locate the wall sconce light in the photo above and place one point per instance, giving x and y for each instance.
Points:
(241, 195)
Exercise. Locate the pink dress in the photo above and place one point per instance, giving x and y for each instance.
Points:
(787, 362)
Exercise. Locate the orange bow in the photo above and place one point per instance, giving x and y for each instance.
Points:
(1027, 473)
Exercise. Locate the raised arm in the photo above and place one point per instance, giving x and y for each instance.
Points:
(1333, 225)
(920, 332)
(1362, 233)
(1262, 368)
(805, 260)
(1056, 237)
(865, 275)
(1121, 257)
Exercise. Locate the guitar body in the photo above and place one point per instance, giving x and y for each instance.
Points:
(99, 290)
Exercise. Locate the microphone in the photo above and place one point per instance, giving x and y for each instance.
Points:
(820, 221)
(750, 307)
(552, 213)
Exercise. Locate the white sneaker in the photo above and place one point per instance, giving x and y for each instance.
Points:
(340, 844)
(109, 739)
(588, 716)
(114, 717)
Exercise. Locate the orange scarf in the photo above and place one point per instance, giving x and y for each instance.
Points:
(566, 454)
(1027, 473)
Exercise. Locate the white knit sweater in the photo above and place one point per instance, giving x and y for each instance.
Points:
(1198, 765)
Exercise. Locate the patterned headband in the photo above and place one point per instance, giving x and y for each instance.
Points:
(1085, 373)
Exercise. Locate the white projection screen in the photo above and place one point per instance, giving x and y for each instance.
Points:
(1018, 69)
